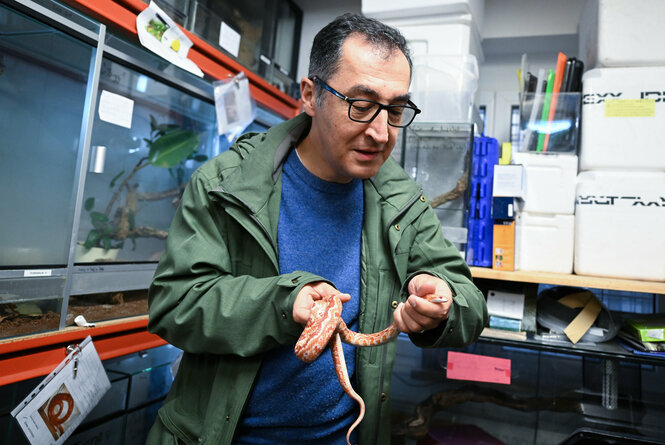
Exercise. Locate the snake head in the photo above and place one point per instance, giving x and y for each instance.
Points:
(322, 324)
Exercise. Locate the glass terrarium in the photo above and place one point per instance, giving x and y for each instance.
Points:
(147, 139)
(438, 157)
(44, 74)
(96, 152)
(29, 305)
(43, 78)
(263, 35)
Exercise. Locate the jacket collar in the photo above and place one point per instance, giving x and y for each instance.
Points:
(262, 157)
(258, 176)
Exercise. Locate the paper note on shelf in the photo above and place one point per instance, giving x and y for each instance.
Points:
(478, 368)
(229, 39)
(161, 35)
(505, 304)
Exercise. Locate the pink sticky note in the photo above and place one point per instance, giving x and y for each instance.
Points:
(478, 368)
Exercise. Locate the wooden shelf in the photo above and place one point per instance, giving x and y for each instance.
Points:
(654, 287)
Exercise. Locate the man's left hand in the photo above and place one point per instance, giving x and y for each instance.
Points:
(418, 314)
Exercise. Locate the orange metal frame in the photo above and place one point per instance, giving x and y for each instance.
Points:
(121, 14)
(37, 355)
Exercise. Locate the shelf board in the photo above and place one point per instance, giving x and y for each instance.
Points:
(654, 287)
(36, 355)
(609, 350)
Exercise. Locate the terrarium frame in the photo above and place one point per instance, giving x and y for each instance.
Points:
(40, 297)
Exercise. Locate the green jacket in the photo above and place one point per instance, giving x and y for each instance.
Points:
(218, 296)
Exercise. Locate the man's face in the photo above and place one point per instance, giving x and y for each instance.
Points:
(344, 149)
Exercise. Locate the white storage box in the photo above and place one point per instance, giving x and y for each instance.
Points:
(549, 182)
(622, 33)
(623, 116)
(544, 242)
(620, 224)
(444, 87)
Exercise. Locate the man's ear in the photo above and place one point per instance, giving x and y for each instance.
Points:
(308, 96)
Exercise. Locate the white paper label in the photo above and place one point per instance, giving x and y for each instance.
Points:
(505, 304)
(116, 109)
(229, 39)
(37, 273)
(655, 333)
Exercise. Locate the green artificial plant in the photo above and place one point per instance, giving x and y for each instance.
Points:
(169, 147)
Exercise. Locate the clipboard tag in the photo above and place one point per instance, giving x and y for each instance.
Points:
(74, 350)
(51, 413)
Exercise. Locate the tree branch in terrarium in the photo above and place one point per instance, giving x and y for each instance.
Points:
(454, 193)
(141, 164)
(158, 196)
(169, 147)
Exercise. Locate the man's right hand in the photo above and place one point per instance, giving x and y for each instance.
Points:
(309, 294)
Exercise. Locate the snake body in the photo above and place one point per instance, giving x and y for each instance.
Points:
(326, 327)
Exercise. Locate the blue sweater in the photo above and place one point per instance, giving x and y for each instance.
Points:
(320, 228)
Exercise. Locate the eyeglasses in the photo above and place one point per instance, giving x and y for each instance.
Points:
(364, 111)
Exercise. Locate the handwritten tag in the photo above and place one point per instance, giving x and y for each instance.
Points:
(478, 368)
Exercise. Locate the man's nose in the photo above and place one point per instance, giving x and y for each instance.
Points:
(378, 128)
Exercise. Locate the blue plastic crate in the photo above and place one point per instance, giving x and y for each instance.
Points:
(479, 219)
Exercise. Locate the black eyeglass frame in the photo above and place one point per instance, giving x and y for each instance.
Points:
(352, 100)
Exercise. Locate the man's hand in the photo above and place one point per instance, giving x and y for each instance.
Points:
(418, 314)
(309, 294)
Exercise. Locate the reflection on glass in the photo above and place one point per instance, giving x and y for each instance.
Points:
(245, 17)
(153, 136)
(43, 76)
(286, 29)
(269, 33)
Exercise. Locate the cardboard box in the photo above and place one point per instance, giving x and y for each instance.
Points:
(503, 257)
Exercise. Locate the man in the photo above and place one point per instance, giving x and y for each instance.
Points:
(313, 208)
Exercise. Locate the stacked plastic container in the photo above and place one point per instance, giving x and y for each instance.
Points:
(544, 229)
(479, 220)
(620, 198)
